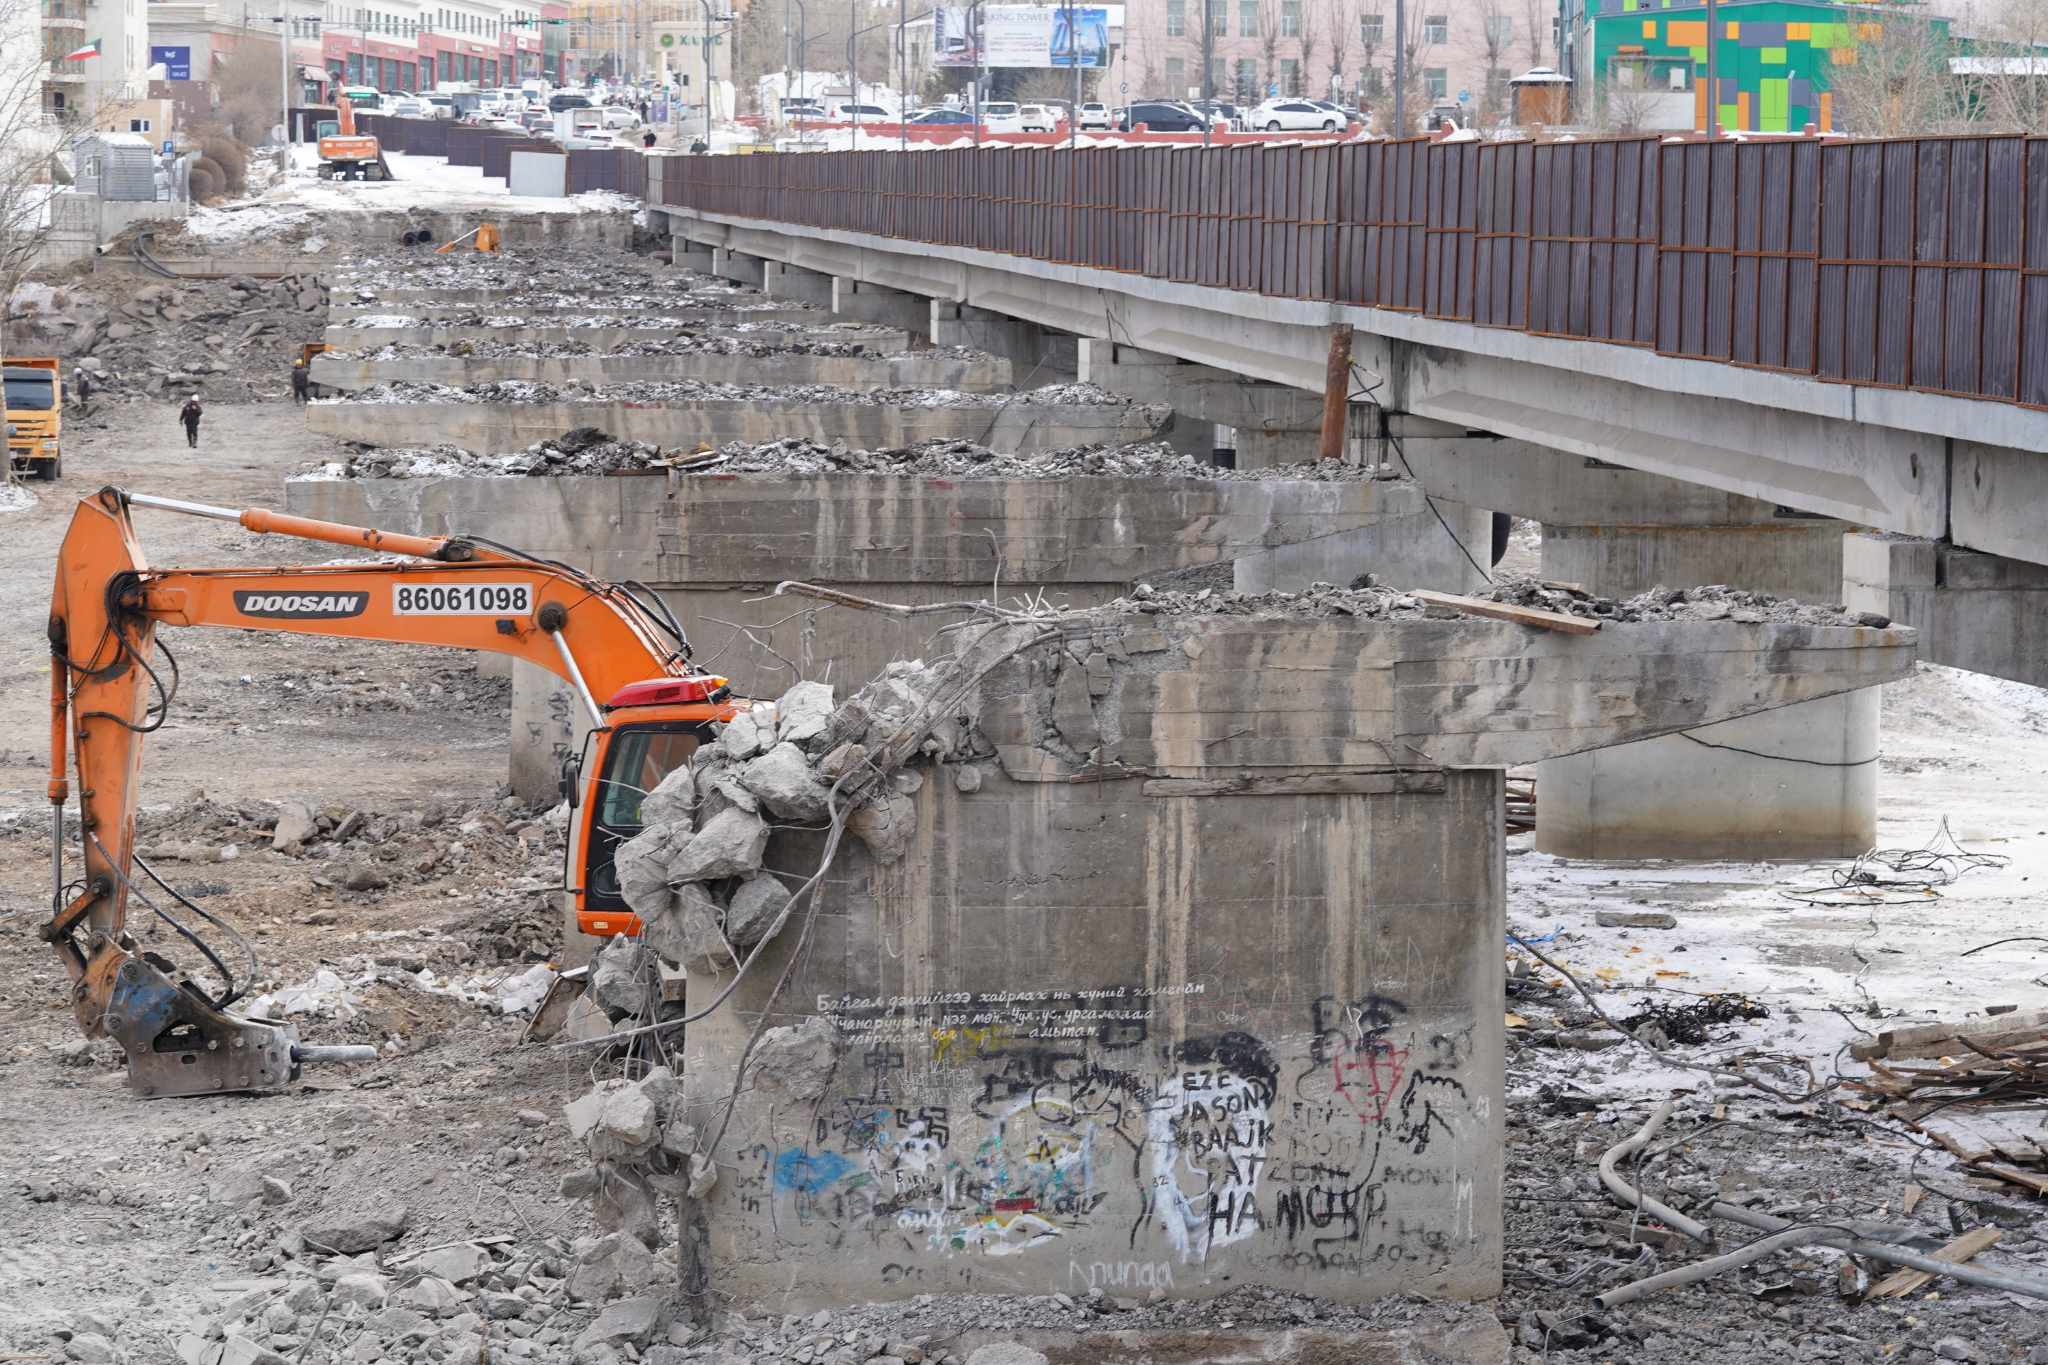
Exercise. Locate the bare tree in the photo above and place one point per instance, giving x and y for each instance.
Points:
(1372, 37)
(2007, 77)
(1269, 41)
(1496, 23)
(1311, 36)
(1895, 81)
(28, 142)
(1536, 18)
(1343, 32)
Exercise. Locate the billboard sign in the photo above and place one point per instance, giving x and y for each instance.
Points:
(176, 62)
(1021, 36)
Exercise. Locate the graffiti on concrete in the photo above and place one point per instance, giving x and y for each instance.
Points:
(1080, 1127)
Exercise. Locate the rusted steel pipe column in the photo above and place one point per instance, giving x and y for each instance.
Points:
(1336, 393)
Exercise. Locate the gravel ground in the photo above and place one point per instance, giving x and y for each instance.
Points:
(691, 390)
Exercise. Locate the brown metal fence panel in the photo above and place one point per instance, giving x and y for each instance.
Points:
(1916, 263)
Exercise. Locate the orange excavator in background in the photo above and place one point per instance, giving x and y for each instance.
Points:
(346, 154)
(619, 647)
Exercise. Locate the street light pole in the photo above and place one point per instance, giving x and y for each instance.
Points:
(902, 75)
(707, 73)
(1208, 47)
(1073, 60)
(284, 86)
(853, 63)
(974, 36)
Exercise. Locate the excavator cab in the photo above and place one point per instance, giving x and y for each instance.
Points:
(634, 759)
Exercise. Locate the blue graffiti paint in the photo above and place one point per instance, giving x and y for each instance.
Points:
(810, 1172)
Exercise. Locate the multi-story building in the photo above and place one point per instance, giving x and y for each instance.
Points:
(1460, 52)
(399, 46)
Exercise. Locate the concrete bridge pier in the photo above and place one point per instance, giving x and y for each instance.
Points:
(728, 264)
(1980, 612)
(1037, 354)
(1271, 424)
(858, 301)
(685, 254)
(795, 284)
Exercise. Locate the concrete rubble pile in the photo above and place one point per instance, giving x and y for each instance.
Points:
(482, 317)
(1365, 599)
(230, 340)
(590, 451)
(689, 390)
(710, 894)
(685, 344)
(527, 270)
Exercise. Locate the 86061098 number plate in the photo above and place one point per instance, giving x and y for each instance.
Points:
(462, 599)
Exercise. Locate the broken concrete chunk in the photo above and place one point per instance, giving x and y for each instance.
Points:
(631, 1321)
(354, 1232)
(787, 785)
(673, 800)
(687, 933)
(614, 1119)
(431, 1295)
(456, 1264)
(586, 1021)
(624, 1203)
(622, 977)
(722, 792)
(842, 761)
(803, 713)
(730, 845)
(679, 1139)
(1635, 919)
(616, 1264)
(361, 1290)
(294, 826)
(885, 826)
(742, 738)
(757, 910)
(967, 778)
(642, 863)
(797, 1058)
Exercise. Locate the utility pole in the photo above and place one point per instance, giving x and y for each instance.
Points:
(284, 82)
(1400, 68)
(974, 36)
(902, 75)
(1074, 60)
(1713, 68)
(853, 63)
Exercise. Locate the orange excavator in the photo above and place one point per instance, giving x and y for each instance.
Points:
(346, 154)
(112, 681)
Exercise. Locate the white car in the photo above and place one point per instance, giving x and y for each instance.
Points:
(1293, 116)
(440, 106)
(1036, 118)
(1002, 116)
(1095, 116)
(617, 116)
(407, 109)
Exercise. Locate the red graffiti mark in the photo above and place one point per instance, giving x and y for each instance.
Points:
(1016, 1205)
(1368, 1077)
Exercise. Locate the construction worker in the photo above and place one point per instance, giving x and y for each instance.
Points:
(190, 415)
(81, 384)
(302, 382)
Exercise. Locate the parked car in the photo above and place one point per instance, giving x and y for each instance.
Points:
(1094, 116)
(1222, 113)
(846, 111)
(947, 117)
(618, 116)
(1002, 116)
(568, 100)
(407, 109)
(1292, 116)
(440, 106)
(1161, 116)
(1035, 118)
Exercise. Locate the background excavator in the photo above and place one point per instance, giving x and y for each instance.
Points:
(112, 681)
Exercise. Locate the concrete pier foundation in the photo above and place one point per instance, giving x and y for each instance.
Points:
(1976, 611)
(1271, 424)
(857, 301)
(1037, 355)
(1175, 993)
(795, 284)
(1011, 426)
(708, 545)
(737, 267)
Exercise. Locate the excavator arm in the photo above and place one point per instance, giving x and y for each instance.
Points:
(109, 688)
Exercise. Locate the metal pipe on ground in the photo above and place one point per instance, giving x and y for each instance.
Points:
(1632, 1198)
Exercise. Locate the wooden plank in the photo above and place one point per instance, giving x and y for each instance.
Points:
(1963, 1248)
(1935, 1040)
(1504, 611)
(2031, 1180)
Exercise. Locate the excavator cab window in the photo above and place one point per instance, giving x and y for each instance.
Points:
(636, 761)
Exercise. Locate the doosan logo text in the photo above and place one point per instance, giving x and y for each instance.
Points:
(335, 606)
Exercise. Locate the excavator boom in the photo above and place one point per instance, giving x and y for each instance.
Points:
(107, 691)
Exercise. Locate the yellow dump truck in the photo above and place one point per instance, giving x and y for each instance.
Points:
(35, 414)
